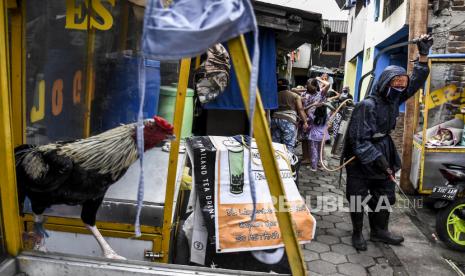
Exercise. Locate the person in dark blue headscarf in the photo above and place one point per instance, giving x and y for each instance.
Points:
(369, 140)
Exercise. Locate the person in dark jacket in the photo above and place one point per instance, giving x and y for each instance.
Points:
(284, 121)
(369, 140)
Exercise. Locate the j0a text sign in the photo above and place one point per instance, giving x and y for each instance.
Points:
(56, 96)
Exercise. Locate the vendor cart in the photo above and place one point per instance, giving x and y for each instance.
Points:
(54, 75)
(439, 136)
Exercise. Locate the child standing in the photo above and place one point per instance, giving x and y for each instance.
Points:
(316, 117)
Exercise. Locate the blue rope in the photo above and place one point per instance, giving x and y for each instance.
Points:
(140, 128)
(140, 144)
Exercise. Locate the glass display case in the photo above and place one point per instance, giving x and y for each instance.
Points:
(81, 79)
(439, 137)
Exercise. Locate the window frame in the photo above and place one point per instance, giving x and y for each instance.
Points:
(332, 43)
(390, 6)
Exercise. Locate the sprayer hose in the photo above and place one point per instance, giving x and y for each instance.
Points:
(324, 139)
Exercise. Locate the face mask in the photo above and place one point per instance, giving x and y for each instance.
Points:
(394, 93)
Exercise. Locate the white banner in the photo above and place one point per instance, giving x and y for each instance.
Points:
(234, 229)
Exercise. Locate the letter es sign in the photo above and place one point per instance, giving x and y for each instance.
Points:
(77, 13)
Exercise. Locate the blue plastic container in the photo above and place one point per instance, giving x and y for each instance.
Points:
(116, 99)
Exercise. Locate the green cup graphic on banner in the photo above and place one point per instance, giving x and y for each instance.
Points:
(236, 166)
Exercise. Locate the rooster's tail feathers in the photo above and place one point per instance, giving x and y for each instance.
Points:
(21, 151)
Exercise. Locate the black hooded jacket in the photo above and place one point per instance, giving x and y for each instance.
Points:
(372, 121)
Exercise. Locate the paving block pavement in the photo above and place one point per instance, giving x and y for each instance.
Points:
(331, 253)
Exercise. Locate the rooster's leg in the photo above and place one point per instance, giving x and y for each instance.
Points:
(108, 252)
(88, 216)
(40, 233)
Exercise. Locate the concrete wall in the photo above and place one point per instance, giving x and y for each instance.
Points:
(356, 33)
(368, 56)
(378, 31)
(349, 73)
(366, 36)
(358, 75)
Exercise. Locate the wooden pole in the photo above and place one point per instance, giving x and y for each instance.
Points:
(418, 22)
(173, 159)
(90, 72)
(240, 58)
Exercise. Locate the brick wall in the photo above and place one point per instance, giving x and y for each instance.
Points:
(456, 76)
(458, 5)
(397, 134)
(445, 14)
(446, 19)
(456, 41)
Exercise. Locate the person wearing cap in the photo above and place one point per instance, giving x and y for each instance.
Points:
(370, 177)
(284, 121)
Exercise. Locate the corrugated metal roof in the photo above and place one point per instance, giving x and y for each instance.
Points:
(337, 26)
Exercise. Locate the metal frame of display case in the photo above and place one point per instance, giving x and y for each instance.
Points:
(443, 58)
(13, 122)
(18, 118)
(9, 203)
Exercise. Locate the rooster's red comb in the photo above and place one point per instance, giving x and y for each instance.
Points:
(161, 122)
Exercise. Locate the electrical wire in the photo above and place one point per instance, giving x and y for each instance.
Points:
(343, 104)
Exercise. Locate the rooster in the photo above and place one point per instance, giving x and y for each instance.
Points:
(80, 172)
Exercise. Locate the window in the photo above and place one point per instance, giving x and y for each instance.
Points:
(390, 6)
(57, 87)
(377, 6)
(332, 43)
(58, 92)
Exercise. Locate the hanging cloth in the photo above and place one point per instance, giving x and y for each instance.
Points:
(140, 144)
(189, 27)
(231, 98)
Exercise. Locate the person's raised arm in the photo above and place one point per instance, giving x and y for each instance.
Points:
(335, 97)
(301, 112)
(420, 69)
(326, 85)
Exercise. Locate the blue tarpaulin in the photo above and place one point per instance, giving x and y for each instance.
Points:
(231, 98)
